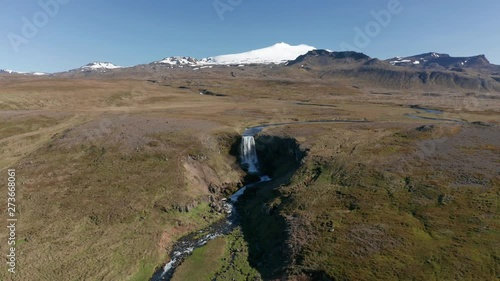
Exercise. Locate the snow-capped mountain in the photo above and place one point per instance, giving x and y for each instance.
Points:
(99, 66)
(180, 61)
(23, 73)
(7, 71)
(277, 54)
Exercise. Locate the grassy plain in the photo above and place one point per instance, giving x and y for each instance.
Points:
(112, 171)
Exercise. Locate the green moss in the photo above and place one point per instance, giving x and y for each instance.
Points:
(235, 260)
(203, 262)
(146, 270)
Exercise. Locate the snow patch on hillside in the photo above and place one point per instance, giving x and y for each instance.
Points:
(177, 61)
(23, 73)
(99, 66)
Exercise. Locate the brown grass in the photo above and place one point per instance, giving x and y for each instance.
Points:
(105, 164)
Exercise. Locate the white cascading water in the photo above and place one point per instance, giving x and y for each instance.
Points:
(249, 154)
(248, 159)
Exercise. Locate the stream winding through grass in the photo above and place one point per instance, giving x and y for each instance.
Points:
(185, 246)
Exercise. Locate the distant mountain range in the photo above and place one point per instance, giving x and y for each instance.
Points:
(424, 70)
(276, 54)
(441, 61)
(6, 71)
(282, 53)
(431, 71)
(431, 60)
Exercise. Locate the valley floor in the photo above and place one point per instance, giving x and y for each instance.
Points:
(111, 172)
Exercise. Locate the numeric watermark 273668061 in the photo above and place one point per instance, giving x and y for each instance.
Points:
(11, 220)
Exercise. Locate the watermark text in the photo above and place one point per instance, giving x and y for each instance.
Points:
(11, 220)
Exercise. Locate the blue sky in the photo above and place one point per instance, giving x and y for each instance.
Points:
(133, 32)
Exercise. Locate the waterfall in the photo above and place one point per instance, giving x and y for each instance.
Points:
(186, 245)
(249, 154)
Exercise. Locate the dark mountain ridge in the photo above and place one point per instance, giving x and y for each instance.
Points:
(430, 71)
(435, 60)
(325, 57)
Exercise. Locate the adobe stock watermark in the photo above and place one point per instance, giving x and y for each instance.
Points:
(381, 19)
(11, 220)
(223, 6)
(31, 26)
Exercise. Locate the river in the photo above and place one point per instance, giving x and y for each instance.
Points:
(187, 244)
(184, 247)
